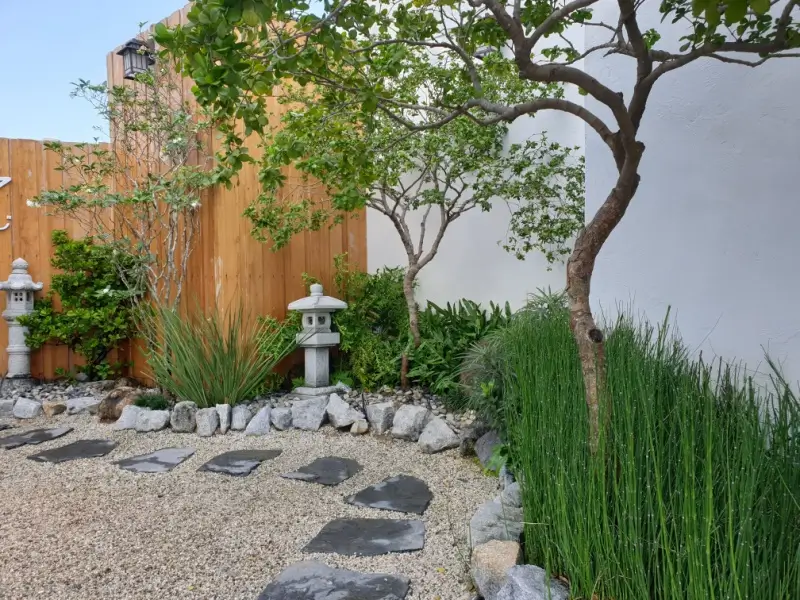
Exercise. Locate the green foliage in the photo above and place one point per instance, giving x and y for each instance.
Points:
(95, 315)
(694, 491)
(448, 333)
(153, 402)
(343, 376)
(213, 359)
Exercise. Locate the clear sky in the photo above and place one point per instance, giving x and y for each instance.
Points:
(46, 44)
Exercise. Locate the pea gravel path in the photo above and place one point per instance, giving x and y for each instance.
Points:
(87, 529)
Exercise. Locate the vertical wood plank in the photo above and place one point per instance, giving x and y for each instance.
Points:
(6, 256)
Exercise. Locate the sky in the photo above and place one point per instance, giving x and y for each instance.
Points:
(47, 44)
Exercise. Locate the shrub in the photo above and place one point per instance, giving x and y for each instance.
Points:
(448, 333)
(216, 359)
(694, 491)
(153, 401)
(95, 315)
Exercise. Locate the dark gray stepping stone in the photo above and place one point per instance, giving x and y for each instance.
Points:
(75, 450)
(330, 470)
(159, 461)
(4, 426)
(401, 493)
(315, 581)
(33, 437)
(368, 537)
(239, 462)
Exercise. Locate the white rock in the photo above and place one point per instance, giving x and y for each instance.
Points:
(490, 563)
(184, 417)
(437, 436)
(340, 413)
(409, 422)
(152, 420)
(224, 413)
(128, 418)
(7, 407)
(259, 424)
(359, 427)
(529, 582)
(27, 409)
(207, 421)
(81, 405)
(309, 414)
(241, 416)
(281, 418)
(380, 416)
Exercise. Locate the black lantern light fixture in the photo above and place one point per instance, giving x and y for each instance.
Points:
(137, 57)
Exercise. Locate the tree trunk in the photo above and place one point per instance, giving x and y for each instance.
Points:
(413, 322)
(580, 267)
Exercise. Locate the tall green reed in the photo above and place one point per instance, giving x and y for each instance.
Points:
(694, 492)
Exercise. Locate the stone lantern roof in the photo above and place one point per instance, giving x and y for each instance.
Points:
(317, 302)
(19, 280)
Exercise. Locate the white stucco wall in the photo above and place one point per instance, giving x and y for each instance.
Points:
(712, 230)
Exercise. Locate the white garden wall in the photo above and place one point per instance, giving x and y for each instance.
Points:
(713, 228)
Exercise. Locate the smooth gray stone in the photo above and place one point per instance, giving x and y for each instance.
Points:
(129, 417)
(207, 421)
(151, 420)
(239, 462)
(329, 470)
(309, 414)
(310, 391)
(88, 404)
(340, 413)
(7, 407)
(380, 416)
(315, 581)
(485, 446)
(224, 412)
(409, 421)
(281, 418)
(437, 436)
(495, 520)
(160, 461)
(368, 537)
(259, 424)
(529, 582)
(75, 450)
(401, 493)
(33, 437)
(27, 409)
(241, 416)
(184, 417)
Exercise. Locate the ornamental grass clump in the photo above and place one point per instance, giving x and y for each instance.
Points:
(694, 489)
(219, 358)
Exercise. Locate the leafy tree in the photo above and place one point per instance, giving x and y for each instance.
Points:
(422, 183)
(239, 50)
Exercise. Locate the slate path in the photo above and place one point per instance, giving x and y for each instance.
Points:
(239, 463)
(75, 450)
(368, 537)
(4, 426)
(315, 581)
(401, 493)
(330, 470)
(160, 461)
(33, 437)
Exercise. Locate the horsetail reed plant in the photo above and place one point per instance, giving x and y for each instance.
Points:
(694, 492)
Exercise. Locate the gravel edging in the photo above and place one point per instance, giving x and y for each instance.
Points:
(86, 528)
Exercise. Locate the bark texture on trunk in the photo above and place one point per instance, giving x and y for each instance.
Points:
(413, 322)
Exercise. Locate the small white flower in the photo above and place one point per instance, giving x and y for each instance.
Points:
(32, 204)
(195, 204)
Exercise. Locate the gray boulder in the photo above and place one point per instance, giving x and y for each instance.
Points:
(7, 407)
(437, 436)
(309, 414)
(380, 417)
(184, 417)
(489, 566)
(485, 446)
(224, 414)
(128, 418)
(340, 413)
(86, 404)
(529, 582)
(500, 519)
(27, 409)
(409, 422)
(207, 421)
(240, 417)
(359, 427)
(151, 420)
(259, 424)
(281, 418)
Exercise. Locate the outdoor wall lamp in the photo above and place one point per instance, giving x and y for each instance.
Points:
(137, 57)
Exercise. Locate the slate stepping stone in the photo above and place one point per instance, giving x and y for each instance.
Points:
(4, 426)
(329, 470)
(75, 450)
(315, 581)
(239, 462)
(401, 493)
(160, 461)
(33, 437)
(368, 537)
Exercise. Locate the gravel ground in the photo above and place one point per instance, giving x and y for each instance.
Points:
(86, 529)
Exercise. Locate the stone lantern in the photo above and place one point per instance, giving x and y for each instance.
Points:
(19, 301)
(317, 336)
